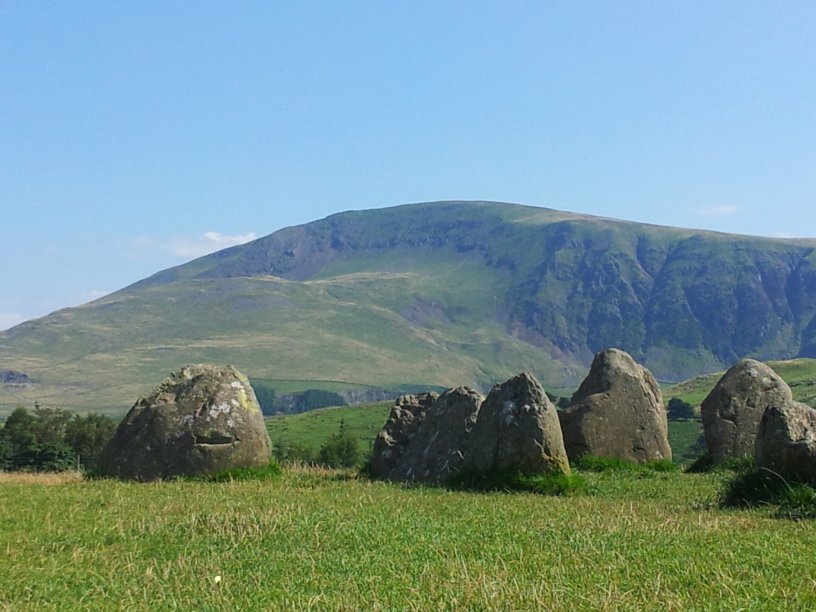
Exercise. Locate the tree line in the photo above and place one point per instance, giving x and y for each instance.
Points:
(53, 439)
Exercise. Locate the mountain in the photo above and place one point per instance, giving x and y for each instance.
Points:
(436, 294)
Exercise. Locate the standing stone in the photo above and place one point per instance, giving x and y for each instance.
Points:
(786, 441)
(732, 411)
(438, 447)
(617, 412)
(395, 436)
(202, 419)
(517, 430)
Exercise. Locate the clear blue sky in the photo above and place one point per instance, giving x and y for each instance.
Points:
(137, 135)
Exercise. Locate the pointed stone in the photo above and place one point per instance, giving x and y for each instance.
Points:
(517, 430)
(617, 412)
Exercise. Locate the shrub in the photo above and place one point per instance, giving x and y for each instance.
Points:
(340, 451)
(678, 409)
(758, 487)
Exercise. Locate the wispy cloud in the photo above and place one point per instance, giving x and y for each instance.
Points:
(188, 247)
(722, 210)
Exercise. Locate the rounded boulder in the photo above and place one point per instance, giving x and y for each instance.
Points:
(202, 419)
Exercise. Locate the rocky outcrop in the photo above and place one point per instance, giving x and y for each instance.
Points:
(438, 446)
(786, 441)
(517, 430)
(617, 412)
(201, 419)
(394, 438)
(732, 411)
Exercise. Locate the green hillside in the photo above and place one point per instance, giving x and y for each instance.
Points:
(430, 295)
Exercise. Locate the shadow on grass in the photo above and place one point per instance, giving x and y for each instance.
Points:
(554, 483)
(761, 487)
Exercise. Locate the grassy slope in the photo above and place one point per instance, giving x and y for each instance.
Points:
(287, 330)
(312, 541)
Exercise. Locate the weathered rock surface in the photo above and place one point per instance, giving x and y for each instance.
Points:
(786, 441)
(517, 429)
(201, 419)
(439, 445)
(617, 412)
(732, 411)
(394, 438)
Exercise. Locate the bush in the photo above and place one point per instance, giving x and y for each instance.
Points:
(678, 410)
(52, 439)
(285, 451)
(341, 450)
(761, 487)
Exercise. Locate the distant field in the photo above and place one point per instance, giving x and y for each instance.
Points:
(316, 540)
(311, 429)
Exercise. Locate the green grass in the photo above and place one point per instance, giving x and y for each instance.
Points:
(312, 429)
(242, 473)
(319, 540)
(590, 463)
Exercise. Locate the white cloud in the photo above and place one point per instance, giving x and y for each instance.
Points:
(189, 247)
(723, 210)
(10, 319)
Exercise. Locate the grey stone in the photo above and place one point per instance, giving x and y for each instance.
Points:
(732, 411)
(617, 412)
(786, 441)
(395, 436)
(517, 429)
(202, 419)
(438, 447)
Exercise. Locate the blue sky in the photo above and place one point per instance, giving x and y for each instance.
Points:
(138, 135)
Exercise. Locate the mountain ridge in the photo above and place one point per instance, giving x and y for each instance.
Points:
(440, 293)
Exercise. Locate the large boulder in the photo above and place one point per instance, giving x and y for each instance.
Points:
(786, 441)
(201, 419)
(517, 430)
(438, 447)
(732, 411)
(617, 412)
(394, 438)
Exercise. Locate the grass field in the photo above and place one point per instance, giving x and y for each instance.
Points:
(321, 540)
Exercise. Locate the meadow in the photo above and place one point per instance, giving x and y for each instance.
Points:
(321, 539)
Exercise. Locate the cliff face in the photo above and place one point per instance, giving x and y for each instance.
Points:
(678, 300)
